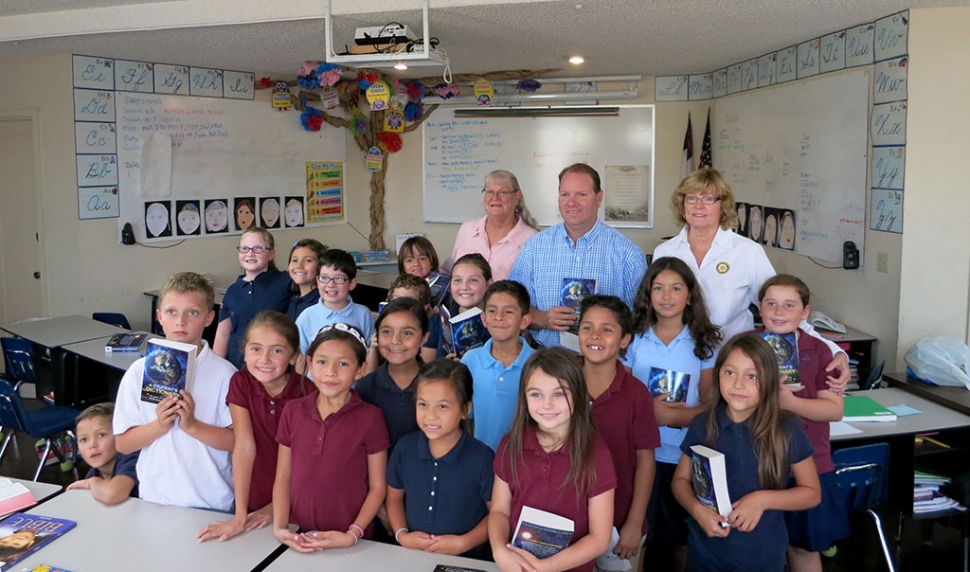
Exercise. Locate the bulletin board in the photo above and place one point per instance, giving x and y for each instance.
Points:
(460, 151)
(796, 158)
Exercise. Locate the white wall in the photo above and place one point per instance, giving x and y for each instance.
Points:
(87, 270)
(933, 294)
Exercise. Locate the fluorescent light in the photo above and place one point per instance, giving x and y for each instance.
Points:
(400, 66)
(576, 60)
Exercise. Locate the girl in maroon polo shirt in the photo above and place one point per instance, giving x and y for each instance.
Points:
(551, 460)
(256, 398)
(332, 451)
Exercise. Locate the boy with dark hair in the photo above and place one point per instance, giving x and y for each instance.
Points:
(338, 276)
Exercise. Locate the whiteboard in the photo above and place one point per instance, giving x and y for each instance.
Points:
(174, 149)
(459, 152)
(801, 147)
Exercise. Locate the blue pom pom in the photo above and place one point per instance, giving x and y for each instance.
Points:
(413, 111)
(307, 81)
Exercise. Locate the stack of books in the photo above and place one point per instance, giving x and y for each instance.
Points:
(927, 498)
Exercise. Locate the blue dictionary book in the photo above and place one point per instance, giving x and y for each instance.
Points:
(22, 534)
(169, 367)
(542, 533)
(439, 284)
(676, 383)
(463, 332)
(786, 350)
(709, 479)
(572, 293)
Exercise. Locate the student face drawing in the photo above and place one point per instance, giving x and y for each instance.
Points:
(156, 219)
(756, 224)
(244, 216)
(787, 239)
(188, 219)
(742, 216)
(216, 216)
(294, 213)
(771, 230)
(270, 212)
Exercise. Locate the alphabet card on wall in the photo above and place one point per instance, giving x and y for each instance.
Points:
(858, 45)
(831, 52)
(671, 88)
(719, 83)
(890, 81)
(888, 124)
(808, 59)
(892, 35)
(886, 211)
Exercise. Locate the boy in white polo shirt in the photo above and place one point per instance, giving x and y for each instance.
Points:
(184, 441)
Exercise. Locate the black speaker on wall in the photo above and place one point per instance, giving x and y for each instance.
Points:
(850, 255)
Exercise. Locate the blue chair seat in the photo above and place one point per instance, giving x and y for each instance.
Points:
(861, 474)
(44, 423)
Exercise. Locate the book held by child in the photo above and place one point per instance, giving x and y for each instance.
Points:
(169, 367)
(542, 533)
(709, 478)
(786, 350)
(662, 381)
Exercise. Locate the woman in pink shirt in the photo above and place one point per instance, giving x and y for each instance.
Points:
(500, 234)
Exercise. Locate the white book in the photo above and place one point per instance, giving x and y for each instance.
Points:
(542, 533)
(709, 478)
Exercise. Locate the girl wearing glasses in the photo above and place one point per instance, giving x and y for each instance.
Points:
(260, 287)
(500, 234)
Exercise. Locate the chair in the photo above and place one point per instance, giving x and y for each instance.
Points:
(862, 477)
(42, 423)
(18, 355)
(875, 377)
(112, 318)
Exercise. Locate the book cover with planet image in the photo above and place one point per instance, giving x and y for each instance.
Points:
(572, 293)
(662, 381)
(786, 350)
(169, 367)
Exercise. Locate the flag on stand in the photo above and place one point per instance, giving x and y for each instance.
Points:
(687, 166)
(706, 161)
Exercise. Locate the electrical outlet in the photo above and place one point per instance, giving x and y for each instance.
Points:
(882, 262)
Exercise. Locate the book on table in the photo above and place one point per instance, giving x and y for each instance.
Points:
(862, 408)
(450, 568)
(542, 533)
(709, 479)
(663, 380)
(14, 496)
(786, 351)
(125, 342)
(28, 533)
(169, 367)
(45, 568)
(822, 322)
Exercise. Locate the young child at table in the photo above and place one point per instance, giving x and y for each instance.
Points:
(112, 477)
(439, 479)
(784, 305)
(673, 336)
(304, 266)
(497, 366)
(184, 440)
(622, 412)
(417, 257)
(332, 451)
(763, 447)
(256, 399)
(337, 277)
(401, 330)
(552, 460)
(260, 287)
(408, 286)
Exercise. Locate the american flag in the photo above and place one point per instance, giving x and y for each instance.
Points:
(688, 158)
(706, 161)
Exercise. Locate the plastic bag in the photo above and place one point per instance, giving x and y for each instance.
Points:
(941, 360)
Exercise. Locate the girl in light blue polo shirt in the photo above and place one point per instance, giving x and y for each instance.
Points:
(672, 352)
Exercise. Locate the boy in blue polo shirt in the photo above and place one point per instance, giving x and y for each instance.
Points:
(113, 477)
(338, 276)
(497, 365)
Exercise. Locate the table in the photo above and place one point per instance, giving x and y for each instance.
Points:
(858, 345)
(41, 491)
(140, 535)
(369, 555)
(114, 364)
(953, 397)
(55, 332)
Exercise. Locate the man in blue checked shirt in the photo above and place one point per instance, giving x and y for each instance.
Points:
(580, 248)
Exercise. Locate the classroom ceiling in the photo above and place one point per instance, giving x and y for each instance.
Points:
(648, 37)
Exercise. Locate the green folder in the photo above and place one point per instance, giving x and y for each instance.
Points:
(861, 408)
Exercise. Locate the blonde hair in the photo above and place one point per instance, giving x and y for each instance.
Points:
(699, 182)
(521, 210)
(189, 282)
(268, 238)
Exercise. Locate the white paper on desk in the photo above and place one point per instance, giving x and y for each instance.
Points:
(837, 428)
(610, 561)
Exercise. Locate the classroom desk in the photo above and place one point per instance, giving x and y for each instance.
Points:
(857, 344)
(55, 332)
(41, 491)
(143, 536)
(949, 425)
(113, 366)
(368, 555)
(953, 397)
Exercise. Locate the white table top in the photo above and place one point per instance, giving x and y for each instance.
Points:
(367, 555)
(94, 350)
(56, 332)
(141, 535)
(40, 491)
(934, 417)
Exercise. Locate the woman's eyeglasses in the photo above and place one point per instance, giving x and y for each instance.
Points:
(500, 194)
(703, 199)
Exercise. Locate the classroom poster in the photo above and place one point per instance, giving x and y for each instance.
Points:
(627, 195)
(324, 192)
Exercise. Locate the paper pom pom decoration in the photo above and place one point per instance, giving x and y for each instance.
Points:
(311, 119)
(328, 74)
(365, 80)
(266, 82)
(413, 111)
(528, 85)
(446, 91)
(415, 89)
(358, 124)
(389, 142)
(307, 81)
(308, 68)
